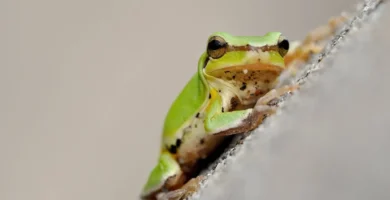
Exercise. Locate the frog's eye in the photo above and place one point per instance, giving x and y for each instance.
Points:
(283, 46)
(216, 47)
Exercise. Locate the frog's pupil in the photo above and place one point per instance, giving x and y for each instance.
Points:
(284, 44)
(215, 45)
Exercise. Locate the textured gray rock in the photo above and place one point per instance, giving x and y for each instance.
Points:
(329, 141)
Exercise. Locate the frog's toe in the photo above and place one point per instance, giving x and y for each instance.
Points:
(182, 193)
(172, 195)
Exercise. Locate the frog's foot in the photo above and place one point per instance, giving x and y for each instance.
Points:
(184, 192)
(299, 55)
(314, 43)
(325, 31)
(267, 104)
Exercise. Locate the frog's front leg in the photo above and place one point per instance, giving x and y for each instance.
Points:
(266, 103)
(241, 121)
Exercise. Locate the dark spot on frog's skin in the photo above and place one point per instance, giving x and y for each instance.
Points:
(223, 109)
(172, 149)
(201, 141)
(234, 103)
(255, 82)
(209, 96)
(234, 77)
(265, 116)
(227, 72)
(266, 81)
(196, 125)
(243, 87)
(197, 115)
(219, 91)
(178, 143)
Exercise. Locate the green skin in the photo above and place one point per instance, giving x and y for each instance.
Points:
(241, 69)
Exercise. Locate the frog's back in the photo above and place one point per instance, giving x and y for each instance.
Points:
(184, 108)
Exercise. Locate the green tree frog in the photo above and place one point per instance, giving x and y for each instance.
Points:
(236, 78)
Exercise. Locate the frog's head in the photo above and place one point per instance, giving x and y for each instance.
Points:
(250, 65)
(227, 51)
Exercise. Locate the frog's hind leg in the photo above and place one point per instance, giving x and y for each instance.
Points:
(184, 192)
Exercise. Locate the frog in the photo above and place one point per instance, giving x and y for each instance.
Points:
(230, 93)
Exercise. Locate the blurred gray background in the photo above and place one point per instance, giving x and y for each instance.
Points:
(85, 85)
